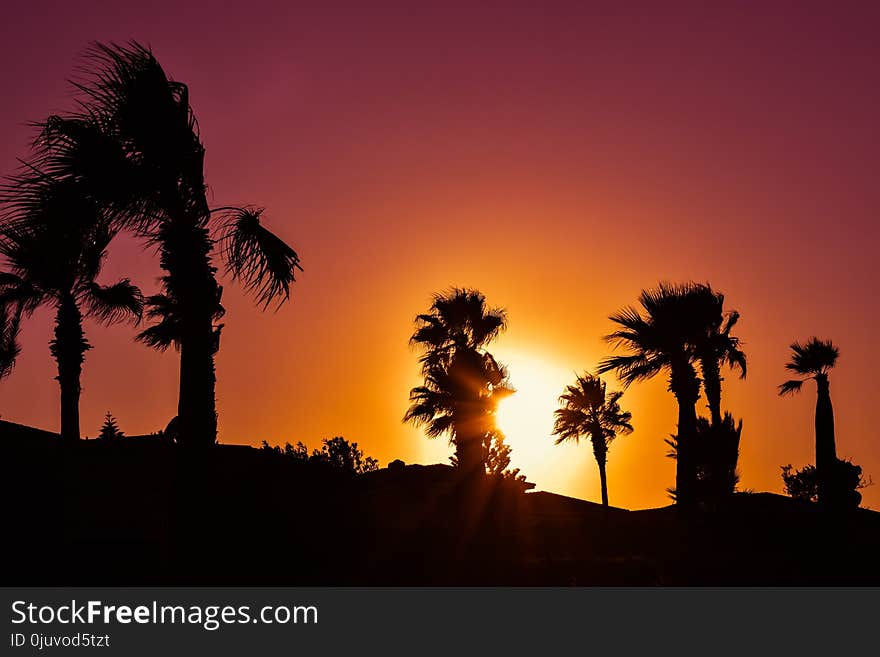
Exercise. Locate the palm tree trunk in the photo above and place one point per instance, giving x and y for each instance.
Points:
(712, 387)
(826, 451)
(603, 483)
(191, 282)
(469, 455)
(68, 348)
(196, 408)
(686, 387)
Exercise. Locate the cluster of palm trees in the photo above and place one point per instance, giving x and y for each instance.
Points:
(681, 331)
(129, 158)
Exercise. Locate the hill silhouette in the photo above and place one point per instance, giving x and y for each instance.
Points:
(144, 512)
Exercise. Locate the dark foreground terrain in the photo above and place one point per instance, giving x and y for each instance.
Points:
(141, 511)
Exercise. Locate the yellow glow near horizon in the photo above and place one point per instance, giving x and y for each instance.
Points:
(526, 417)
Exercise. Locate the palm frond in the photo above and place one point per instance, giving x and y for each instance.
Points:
(22, 294)
(264, 263)
(632, 368)
(10, 324)
(160, 336)
(110, 304)
(813, 357)
(166, 332)
(790, 387)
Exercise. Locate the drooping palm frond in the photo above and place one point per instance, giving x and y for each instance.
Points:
(160, 336)
(17, 292)
(569, 424)
(790, 387)
(166, 332)
(634, 367)
(109, 304)
(431, 407)
(264, 263)
(735, 359)
(10, 324)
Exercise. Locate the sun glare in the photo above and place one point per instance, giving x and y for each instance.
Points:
(526, 417)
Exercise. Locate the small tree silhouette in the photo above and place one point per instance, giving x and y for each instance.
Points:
(338, 453)
(588, 411)
(110, 430)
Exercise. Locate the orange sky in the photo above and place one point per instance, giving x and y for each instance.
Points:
(559, 159)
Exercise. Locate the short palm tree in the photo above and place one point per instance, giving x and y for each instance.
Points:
(135, 146)
(814, 360)
(660, 338)
(463, 382)
(587, 410)
(54, 242)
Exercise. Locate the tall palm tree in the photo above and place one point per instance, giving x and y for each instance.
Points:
(588, 410)
(54, 243)
(463, 382)
(814, 360)
(660, 338)
(135, 145)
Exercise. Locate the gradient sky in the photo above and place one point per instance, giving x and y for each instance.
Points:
(557, 156)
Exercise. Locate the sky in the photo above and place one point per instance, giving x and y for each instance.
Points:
(557, 156)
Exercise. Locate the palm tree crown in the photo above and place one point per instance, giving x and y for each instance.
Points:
(812, 360)
(587, 410)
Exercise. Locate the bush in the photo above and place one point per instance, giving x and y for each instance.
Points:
(335, 452)
(847, 479)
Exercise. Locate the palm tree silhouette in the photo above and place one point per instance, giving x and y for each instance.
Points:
(135, 144)
(716, 347)
(54, 242)
(587, 410)
(663, 340)
(814, 360)
(463, 382)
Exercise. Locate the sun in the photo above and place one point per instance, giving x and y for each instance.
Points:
(526, 417)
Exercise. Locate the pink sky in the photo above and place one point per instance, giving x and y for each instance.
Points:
(558, 156)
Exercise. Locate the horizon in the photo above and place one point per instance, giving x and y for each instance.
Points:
(584, 156)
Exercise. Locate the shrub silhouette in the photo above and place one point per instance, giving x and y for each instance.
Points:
(715, 453)
(336, 453)
(847, 479)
